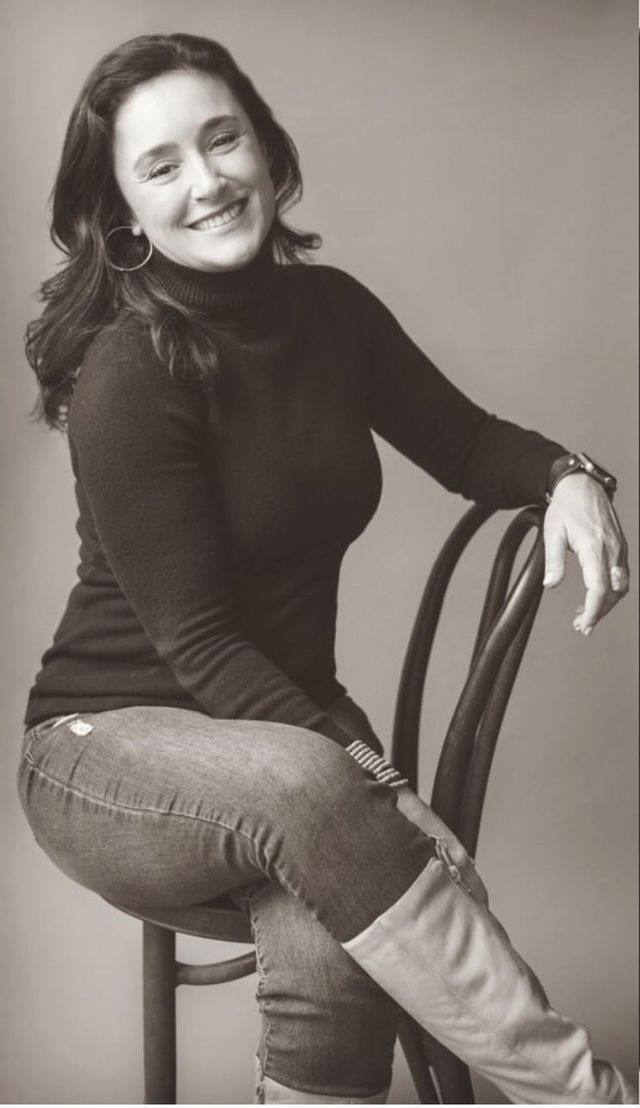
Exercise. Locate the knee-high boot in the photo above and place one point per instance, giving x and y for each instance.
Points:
(442, 955)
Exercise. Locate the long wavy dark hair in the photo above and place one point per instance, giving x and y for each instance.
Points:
(87, 293)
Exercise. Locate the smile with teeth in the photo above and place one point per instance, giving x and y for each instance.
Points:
(221, 218)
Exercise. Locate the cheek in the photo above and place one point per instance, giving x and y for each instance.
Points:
(160, 209)
(255, 171)
(147, 205)
(268, 201)
(267, 192)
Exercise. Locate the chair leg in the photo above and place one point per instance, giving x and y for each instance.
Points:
(412, 1042)
(159, 1006)
(453, 1077)
(423, 1051)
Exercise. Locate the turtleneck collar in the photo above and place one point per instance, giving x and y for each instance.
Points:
(221, 292)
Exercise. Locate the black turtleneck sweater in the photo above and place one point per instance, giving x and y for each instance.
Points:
(210, 548)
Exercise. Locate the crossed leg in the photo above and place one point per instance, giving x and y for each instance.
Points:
(328, 1030)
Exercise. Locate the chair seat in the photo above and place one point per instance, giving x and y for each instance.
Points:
(213, 919)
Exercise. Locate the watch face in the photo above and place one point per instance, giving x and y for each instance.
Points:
(588, 463)
(594, 469)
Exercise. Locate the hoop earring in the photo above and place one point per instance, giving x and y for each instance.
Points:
(124, 268)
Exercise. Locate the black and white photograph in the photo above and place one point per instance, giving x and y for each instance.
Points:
(319, 521)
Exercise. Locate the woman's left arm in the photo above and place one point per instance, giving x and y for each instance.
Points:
(493, 461)
(581, 518)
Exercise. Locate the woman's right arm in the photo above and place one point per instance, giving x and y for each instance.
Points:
(138, 443)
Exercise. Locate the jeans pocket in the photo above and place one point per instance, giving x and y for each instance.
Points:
(50, 749)
(32, 735)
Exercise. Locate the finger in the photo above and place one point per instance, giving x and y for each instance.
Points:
(595, 573)
(621, 541)
(555, 553)
(616, 576)
(593, 608)
(609, 602)
(619, 578)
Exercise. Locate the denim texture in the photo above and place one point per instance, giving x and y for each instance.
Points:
(327, 1028)
(155, 806)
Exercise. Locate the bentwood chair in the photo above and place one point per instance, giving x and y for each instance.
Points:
(457, 796)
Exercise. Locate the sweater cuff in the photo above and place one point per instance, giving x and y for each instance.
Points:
(539, 470)
(331, 731)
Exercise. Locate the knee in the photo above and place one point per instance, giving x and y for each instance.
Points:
(315, 771)
(330, 832)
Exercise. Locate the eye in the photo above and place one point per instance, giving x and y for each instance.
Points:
(160, 170)
(224, 140)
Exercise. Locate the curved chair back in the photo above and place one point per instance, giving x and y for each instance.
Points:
(458, 796)
(462, 773)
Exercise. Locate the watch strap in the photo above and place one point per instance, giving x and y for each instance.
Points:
(579, 462)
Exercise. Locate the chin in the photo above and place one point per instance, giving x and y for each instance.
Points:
(233, 256)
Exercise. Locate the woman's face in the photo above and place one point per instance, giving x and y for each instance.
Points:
(191, 169)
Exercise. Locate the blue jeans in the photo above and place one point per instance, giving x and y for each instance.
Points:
(156, 806)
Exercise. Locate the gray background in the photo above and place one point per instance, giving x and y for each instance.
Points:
(474, 162)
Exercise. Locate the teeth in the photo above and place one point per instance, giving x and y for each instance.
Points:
(225, 216)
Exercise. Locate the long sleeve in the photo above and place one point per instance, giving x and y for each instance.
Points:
(468, 450)
(138, 446)
(209, 578)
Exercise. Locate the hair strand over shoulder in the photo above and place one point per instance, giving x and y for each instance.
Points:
(87, 293)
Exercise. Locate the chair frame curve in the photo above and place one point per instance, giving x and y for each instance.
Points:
(457, 797)
(466, 755)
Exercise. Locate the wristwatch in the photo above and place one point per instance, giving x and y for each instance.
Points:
(579, 463)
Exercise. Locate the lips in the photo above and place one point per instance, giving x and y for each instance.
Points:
(220, 217)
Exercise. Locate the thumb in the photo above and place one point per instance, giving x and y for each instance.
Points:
(555, 554)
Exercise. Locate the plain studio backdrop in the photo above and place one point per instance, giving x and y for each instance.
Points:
(473, 162)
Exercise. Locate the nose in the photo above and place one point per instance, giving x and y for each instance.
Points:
(206, 180)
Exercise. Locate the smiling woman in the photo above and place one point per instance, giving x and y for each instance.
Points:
(107, 194)
(187, 734)
(202, 193)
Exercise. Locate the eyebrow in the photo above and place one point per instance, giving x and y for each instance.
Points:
(169, 147)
